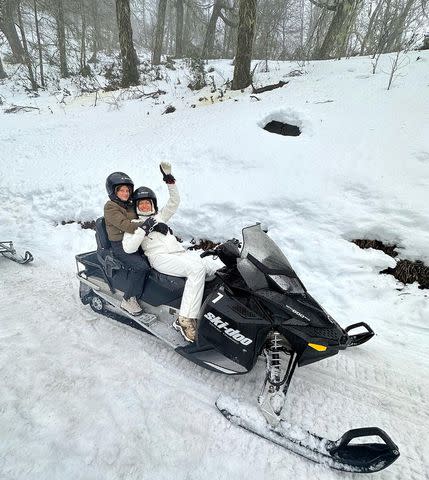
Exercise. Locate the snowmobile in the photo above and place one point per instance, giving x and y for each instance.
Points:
(8, 251)
(255, 306)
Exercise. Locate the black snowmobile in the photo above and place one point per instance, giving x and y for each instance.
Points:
(256, 305)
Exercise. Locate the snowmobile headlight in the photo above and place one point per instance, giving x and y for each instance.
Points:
(287, 284)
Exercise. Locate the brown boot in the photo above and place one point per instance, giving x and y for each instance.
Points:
(187, 327)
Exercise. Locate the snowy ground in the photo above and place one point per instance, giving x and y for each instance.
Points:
(83, 397)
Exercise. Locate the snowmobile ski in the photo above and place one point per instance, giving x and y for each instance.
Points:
(339, 455)
(8, 251)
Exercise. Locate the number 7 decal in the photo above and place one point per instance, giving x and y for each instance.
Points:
(219, 296)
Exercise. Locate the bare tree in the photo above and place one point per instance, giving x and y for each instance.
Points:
(82, 36)
(170, 20)
(246, 29)
(130, 74)
(179, 28)
(337, 36)
(217, 13)
(273, 31)
(7, 26)
(230, 34)
(159, 34)
(397, 27)
(95, 31)
(39, 44)
(3, 74)
(390, 26)
(399, 61)
(371, 30)
(27, 56)
(61, 37)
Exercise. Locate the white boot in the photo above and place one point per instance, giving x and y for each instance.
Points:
(131, 306)
(187, 327)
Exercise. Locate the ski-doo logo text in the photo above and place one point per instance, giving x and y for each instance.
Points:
(230, 332)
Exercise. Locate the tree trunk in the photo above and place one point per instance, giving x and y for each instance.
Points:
(168, 46)
(186, 30)
(246, 29)
(226, 41)
(39, 45)
(231, 40)
(83, 36)
(95, 32)
(7, 26)
(211, 30)
(159, 33)
(3, 74)
(130, 74)
(27, 56)
(338, 33)
(61, 36)
(179, 28)
(370, 32)
(396, 29)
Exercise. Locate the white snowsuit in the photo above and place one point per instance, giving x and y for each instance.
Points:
(168, 256)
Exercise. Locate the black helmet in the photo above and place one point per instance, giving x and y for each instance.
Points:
(145, 193)
(114, 180)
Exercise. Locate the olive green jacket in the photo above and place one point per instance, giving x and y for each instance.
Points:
(118, 220)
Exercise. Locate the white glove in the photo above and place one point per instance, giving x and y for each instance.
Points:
(165, 168)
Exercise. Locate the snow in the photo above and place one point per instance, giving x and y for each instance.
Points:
(84, 397)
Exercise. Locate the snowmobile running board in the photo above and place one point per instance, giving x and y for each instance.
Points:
(7, 250)
(339, 455)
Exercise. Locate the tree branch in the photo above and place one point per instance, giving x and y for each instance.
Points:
(326, 6)
(227, 21)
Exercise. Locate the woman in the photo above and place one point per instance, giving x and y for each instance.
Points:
(166, 254)
(118, 215)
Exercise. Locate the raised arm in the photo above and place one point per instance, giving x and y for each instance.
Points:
(174, 200)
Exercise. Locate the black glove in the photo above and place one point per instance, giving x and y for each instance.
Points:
(162, 228)
(165, 168)
(148, 225)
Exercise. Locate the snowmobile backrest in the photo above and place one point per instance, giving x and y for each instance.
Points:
(104, 249)
(103, 242)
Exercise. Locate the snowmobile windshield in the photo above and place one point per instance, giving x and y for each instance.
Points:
(262, 262)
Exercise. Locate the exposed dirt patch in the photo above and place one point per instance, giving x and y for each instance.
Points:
(405, 271)
(85, 225)
(377, 245)
(409, 272)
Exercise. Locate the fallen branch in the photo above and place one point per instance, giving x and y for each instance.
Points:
(19, 108)
(155, 94)
(269, 87)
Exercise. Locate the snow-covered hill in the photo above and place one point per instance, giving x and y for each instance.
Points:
(84, 398)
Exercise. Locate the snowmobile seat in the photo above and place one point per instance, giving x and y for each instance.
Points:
(104, 249)
(159, 288)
